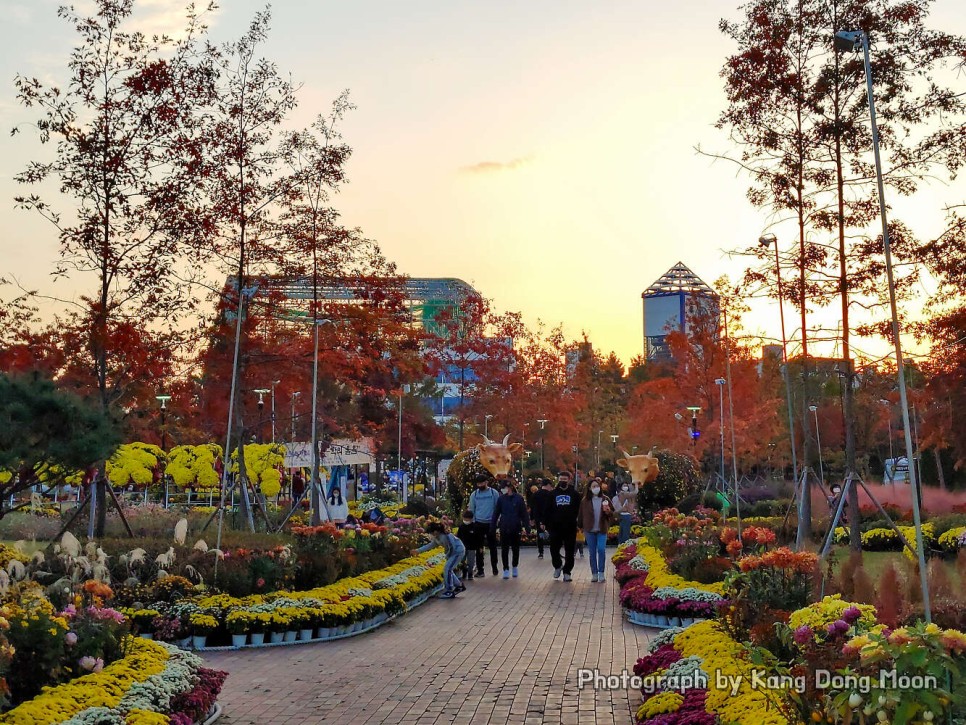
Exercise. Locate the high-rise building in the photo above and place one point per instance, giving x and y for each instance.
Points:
(667, 305)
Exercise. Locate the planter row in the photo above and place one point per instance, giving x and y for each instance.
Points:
(319, 634)
(660, 621)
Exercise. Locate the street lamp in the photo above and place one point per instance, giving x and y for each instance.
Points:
(295, 395)
(163, 399)
(262, 392)
(599, 434)
(274, 383)
(720, 382)
(888, 405)
(695, 433)
(818, 441)
(486, 426)
(543, 423)
(854, 40)
(768, 240)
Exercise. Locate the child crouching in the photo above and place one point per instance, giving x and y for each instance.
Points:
(455, 553)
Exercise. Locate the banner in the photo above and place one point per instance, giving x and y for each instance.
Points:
(342, 452)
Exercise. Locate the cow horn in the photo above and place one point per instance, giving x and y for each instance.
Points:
(626, 454)
(651, 452)
(506, 439)
(487, 441)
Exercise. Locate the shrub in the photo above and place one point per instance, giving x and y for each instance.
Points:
(679, 478)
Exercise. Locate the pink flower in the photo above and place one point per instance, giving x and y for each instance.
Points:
(98, 665)
(851, 614)
(87, 663)
(71, 639)
(803, 634)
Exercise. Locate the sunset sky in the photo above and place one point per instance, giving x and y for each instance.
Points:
(542, 151)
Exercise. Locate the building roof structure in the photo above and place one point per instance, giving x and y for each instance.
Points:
(679, 279)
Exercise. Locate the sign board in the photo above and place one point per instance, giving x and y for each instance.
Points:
(897, 470)
(342, 452)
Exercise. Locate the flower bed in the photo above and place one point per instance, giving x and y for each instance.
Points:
(349, 606)
(152, 683)
(885, 539)
(651, 595)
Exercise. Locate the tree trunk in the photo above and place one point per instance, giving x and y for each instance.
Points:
(939, 469)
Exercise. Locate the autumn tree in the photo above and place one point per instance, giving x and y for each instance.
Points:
(126, 142)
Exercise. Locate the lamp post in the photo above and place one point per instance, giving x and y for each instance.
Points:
(818, 441)
(262, 392)
(274, 383)
(527, 453)
(163, 399)
(543, 423)
(486, 426)
(599, 434)
(318, 501)
(402, 477)
(768, 240)
(295, 395)
(695, 433)
(164, 445)
(892, 455)
(720, 382)
(855, 40)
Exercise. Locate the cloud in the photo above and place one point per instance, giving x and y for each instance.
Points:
(489, 167)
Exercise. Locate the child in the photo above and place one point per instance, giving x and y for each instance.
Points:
(469, 534)
(580, 543)
(455, 553)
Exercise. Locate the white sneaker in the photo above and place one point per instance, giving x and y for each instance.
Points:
(506, 573)
(567, 578)
(593, 576)
(515, 573)
(557, 572)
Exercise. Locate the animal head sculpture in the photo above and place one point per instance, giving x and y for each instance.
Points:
(643, 468)
(497, 458)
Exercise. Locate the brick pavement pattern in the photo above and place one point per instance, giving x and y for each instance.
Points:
(502, 652)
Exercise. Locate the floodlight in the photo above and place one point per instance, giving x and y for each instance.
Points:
(848, 40)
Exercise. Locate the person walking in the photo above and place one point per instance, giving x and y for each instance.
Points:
(511, 518)
(482, 505)
(338, 508)
(625, 506)
(562, 523)
(594, 519)
(469, 534)
(541, 507)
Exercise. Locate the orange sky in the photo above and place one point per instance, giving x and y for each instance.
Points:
(542, 151)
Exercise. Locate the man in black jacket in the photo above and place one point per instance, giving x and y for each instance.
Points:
(542, 505)
(562, 523)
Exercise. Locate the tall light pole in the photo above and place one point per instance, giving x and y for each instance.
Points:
(402, 477)
(695, 433)
(892, 455)
(295, 395)
(599, 434)
(274, 383)
(486, 426)
(316, 497)
(818, 441)
(720, 382)
(163, 399)
(846, 40)
(768, 240)
(543, 424)
(262, 392)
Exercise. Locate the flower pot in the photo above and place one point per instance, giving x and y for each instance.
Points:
(277, 637)
(290, 636)
(239, 640)
(146, 635)
(184, 643)
(258, 638)
(305, 634)
(198, 641)
(687, 621)
(325, 632)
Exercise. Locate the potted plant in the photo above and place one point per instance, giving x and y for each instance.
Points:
(201, 626)
(143, 621)
(238, 623)
(261, 623)
(277, 626)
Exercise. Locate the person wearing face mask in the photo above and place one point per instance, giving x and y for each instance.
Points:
(511, 517)
(482, 505)
(338, 508)
(542, 506)
(594, 519)
(625, 504)
(562, 523)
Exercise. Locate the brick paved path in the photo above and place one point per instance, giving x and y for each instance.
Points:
(503, 652)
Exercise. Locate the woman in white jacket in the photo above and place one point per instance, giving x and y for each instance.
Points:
(338, 508)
